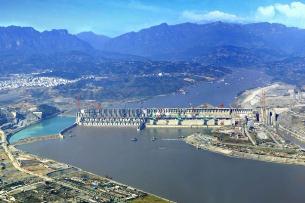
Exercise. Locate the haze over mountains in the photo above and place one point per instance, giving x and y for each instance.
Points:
(95, 40)
(218, 43)
(163, 41)
(190, 39)
(16, 39)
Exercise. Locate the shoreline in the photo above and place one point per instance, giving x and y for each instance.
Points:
(214, 149)
(42, 159)
(11, 150)
(191, 140)
(9, 135)
(210, 148)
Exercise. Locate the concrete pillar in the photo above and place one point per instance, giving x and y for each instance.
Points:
(211, 122)
(270, 114)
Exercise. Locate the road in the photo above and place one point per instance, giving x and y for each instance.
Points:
(17, 165)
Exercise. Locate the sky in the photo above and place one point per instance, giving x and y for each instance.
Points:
(115, 17)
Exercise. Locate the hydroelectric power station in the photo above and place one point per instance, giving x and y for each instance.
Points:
(161, 117)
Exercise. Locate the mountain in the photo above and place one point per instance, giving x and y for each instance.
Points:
(24, 49)
(231, 56)
(182, 41)
(290, 70)
(166, 41)
(96, 41)
(273, 47)
(218, 42)
(15, 39)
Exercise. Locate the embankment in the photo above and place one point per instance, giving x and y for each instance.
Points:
(237, 154)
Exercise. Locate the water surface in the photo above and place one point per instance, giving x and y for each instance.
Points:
(50, 126)
(173, 169)
(218, 92)
(169, 167)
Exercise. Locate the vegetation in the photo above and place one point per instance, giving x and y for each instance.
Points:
(134, 79)
(47, 110)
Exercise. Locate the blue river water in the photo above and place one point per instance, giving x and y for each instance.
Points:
(169, 167)
(50, 126)
(219, 92)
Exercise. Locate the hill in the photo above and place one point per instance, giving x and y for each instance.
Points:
(168, 41)
(95, 40)
(15, 39)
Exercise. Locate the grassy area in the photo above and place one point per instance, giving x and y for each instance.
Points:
(148, 199)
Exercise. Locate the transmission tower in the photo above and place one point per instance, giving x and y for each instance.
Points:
(78, 103)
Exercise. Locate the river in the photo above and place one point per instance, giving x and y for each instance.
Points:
(169, 167)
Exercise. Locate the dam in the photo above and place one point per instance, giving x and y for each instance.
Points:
(162, 117)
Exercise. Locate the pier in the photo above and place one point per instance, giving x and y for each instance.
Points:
(161, 117)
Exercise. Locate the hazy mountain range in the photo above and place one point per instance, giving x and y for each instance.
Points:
(95, 40)
(224, 44)
(163, 41)
(195, 39)
(14, 39)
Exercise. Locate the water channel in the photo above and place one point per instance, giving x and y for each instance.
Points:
(167, 166)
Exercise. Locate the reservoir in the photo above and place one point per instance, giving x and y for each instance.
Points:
(47, 127)
(169, 167)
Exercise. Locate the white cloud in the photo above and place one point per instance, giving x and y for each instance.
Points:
(266, 11)
(216, 15)
(294, 10)
(292, 14)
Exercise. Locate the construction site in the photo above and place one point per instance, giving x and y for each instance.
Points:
(275, 133)
(266, 124)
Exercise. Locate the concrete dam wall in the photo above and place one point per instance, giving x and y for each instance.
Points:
(161, 117)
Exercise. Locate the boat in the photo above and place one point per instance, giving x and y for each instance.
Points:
(153, 138)
(134, 139)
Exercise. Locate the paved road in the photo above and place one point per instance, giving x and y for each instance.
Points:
(16, 164)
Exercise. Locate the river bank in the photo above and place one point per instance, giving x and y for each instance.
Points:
(58, 174)
(221, 148)
(168, 166)
(271, 138)
(44, 167)
(53, 125)
(13, 132)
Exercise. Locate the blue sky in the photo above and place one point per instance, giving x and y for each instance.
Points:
(115, 17)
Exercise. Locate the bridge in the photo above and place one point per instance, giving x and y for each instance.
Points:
(161, 117)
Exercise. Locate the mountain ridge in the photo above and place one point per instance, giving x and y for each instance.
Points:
(95, 40)
(259, 45)
(167, 39)
(29, 40)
